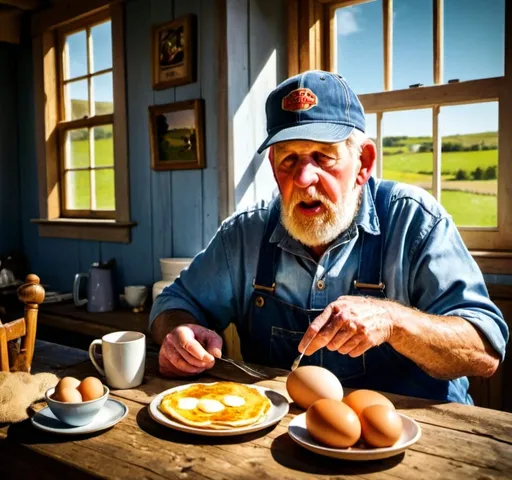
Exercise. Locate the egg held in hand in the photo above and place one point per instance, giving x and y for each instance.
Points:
(358, 400)
(381, 426)
(308, 384)
(333, 423)
(91, 388)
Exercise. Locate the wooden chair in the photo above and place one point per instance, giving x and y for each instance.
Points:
(32, 294)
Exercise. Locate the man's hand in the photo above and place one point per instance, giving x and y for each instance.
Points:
(350, 325)
(189, 350)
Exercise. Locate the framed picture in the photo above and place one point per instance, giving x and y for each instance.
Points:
(174, 52)
(176, 135)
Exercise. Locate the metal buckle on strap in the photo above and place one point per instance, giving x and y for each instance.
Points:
(263, 287)
(370, 286)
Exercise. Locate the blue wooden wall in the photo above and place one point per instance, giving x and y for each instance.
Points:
(10, 229)
(176, 212)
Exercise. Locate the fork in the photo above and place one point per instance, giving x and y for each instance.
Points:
(296, 362)
(245, 368)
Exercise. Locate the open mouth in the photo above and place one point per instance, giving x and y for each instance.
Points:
(310, 205)
(310, 208)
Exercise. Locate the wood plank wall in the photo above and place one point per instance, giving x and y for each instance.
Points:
(10, 233)
(177, 212)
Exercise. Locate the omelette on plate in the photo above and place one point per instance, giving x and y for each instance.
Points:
(221, 405)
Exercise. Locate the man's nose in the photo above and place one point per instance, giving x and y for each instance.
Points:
(306, 173)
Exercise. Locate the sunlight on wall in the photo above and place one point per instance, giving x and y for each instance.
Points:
(253, 176)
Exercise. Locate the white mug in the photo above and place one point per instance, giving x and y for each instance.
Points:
(124, 357)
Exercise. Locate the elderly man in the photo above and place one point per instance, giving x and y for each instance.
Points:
(373, 272)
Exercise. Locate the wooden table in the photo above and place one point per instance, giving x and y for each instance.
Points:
(458, 441)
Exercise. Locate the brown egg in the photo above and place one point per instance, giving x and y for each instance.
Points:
(67, 382)
(69, 395)
(310, 383)
(90, 388)
(381, 426)
(358, 400)
(333, 423)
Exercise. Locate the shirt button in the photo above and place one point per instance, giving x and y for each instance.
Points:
(320, 284)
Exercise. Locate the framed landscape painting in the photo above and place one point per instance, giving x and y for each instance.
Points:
(177, 135)
(174, 52)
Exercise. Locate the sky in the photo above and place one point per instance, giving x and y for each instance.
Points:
(473, 48)
(102, 59)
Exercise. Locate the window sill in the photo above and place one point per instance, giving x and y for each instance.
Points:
(82, 229)
(493, 262)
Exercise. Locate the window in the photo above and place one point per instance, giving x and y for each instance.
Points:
(433, 78)
(80, 108)
(86, 112)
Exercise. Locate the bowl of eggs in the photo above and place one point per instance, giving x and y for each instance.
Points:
(363, 425)
(77, 402)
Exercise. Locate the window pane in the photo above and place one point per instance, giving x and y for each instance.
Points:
(75, 60)
(412, 43)
(469, 163)
(101, 47)
(474, 39)
(103, 146)
(104, 189)
(102, 94)
(359, 46)
(77, 148)
(78, 190)
(407, 147)
(77, 100)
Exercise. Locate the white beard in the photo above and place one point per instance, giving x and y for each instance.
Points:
(324, 228)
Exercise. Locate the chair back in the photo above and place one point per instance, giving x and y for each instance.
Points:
(14, 356)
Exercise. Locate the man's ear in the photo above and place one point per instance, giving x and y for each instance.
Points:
(367, 159)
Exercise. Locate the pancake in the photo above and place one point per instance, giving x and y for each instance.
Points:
(221, 405)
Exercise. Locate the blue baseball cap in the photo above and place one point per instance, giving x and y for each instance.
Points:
(314, 105)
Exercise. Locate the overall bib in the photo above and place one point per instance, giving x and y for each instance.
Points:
(272, 329)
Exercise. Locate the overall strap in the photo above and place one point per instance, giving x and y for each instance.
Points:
(269, 252)
(369, 279)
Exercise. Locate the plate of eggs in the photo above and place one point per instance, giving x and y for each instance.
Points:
(364, 425)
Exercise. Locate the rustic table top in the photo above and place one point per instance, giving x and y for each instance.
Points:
(457, 441)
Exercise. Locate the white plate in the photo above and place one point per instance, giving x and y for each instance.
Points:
(278, 409)
(111, 413)
(410, 434)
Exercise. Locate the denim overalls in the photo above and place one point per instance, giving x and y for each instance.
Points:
(272, 329)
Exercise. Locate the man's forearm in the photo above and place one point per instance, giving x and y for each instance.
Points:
(169, 320)
(445, 347)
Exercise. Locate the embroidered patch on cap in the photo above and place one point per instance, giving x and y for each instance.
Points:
(299, 99)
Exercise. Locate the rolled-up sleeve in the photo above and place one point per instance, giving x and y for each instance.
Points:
(447, 281)
(204, 289)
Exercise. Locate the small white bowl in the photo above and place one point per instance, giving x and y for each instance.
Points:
(76, 413)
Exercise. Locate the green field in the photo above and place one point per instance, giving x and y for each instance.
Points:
(470, 202)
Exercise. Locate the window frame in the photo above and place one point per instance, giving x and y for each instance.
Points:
(311, 31)
(47, 25)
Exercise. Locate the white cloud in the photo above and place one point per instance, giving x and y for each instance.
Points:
(347, 22)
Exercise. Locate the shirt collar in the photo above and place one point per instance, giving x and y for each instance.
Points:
(366, 218)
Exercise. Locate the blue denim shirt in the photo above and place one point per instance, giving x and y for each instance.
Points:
(426, 265)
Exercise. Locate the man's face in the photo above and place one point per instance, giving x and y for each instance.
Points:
(320, 196)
